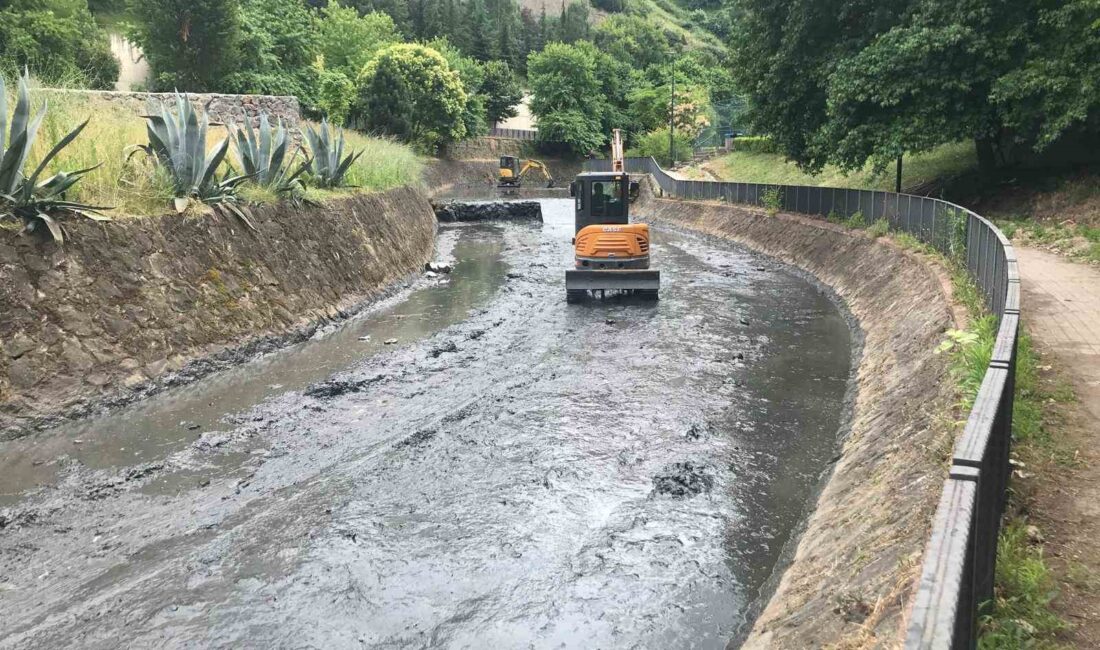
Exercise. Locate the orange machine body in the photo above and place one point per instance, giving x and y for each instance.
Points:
(613, 246)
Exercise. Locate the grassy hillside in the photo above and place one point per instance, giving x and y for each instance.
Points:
(919, 170)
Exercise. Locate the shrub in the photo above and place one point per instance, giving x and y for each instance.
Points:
(879, 228)
(772, 199)
(335, 95)
(178, 144)
(59, 39)
(23, 197)
(655, 143)
(755, 144)
(856, 221)
(329, 166)
(262, 154)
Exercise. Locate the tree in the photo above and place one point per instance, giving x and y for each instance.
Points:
(842, 82)
(574, 22)
(567, 95)
(191, 45)
(277, 49)
(472, 75)
(501, 90)
(1056, 90)
(410, 91)
(58, 40)
(349, 41)
(633, 39)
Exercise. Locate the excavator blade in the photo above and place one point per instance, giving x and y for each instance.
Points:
(625, 280)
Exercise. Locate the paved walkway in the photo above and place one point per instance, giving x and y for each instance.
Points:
(1061, 308)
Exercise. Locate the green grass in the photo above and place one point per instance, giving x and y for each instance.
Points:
(134, 186)
(1025, 590)
(1080, 242)
(942, 162)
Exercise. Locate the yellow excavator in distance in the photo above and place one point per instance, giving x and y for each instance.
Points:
(512, 173)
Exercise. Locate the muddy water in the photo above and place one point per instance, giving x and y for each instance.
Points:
(515, 471)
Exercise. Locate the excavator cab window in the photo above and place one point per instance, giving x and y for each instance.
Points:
(607, 199)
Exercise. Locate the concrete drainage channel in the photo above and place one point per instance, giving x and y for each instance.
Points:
(476, 464)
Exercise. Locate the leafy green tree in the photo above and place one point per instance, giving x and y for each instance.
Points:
(349, 41)
(633, 39)
(567, 95)
(1056, 90)
(655, 143)
(650, 108)
(277, 49)
(573, 24)
(335, 95)
(410, 91)
(472, 75)
(501, 90)
(58, 40)
(839, 81)
(191, 45)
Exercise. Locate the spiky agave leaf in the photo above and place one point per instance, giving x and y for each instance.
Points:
(329, 165)
(36, 204)
(177, 142)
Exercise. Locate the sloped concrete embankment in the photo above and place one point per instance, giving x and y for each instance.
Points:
(850, 577)
(124, 308)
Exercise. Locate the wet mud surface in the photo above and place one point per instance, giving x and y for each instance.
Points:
(474, 464)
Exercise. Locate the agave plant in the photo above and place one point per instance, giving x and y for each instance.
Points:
(178, 143)
(263, 156)
(36, 204)
(329, 165)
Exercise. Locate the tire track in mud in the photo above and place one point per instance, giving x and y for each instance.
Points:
(609, 474)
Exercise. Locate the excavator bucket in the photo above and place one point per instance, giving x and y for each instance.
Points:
(647, 280)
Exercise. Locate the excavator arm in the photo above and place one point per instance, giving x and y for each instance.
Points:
(530, 165)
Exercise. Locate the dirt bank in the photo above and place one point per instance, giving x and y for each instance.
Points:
(851, 574)
(128, 306)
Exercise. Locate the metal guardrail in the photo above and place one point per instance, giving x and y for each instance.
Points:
(956, 581)
(515, 134)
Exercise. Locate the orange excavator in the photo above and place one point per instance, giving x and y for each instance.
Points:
(612, 254)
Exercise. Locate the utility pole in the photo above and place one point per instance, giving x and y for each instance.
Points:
(897, 184)
(672, 121)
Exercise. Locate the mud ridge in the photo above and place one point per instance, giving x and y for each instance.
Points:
(850, 574)
(474, 211)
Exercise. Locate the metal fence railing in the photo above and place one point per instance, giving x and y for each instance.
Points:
(514, 134)
(956, 581)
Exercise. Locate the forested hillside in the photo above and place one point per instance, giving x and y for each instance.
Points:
(427, 71)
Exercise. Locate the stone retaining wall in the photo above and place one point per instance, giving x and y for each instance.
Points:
(130, 303)
(854, 568)
(221, 108)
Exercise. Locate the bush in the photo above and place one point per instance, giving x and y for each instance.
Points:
(335, 95)
(655, 143)
(59, 40)
(755, 144)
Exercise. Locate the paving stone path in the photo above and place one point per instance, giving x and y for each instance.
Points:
(1061, 307)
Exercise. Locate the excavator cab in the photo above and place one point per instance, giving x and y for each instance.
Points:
(509, 172)
(611, 253)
